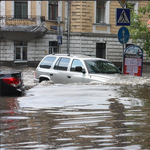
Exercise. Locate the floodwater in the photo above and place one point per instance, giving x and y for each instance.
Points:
(111, 116)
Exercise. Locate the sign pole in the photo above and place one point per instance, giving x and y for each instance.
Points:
(123, 32)
(123, 37)
(123, 19)
(58, 19)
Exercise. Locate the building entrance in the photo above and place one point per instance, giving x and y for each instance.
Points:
(101, 50)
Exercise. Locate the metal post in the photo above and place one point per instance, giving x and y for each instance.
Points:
(123, 53)
(68, 38)
(58, 19)
(0, 51)
(0, 31)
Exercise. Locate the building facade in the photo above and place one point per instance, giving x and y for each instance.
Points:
(32, 29)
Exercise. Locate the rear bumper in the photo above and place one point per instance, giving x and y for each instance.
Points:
(8, 90)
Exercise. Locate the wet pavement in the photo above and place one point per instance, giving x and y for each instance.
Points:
(112, 116)
(78, 117)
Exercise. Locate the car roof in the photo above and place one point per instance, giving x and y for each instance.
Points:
(84, 57)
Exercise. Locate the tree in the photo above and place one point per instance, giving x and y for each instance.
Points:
(138, 29)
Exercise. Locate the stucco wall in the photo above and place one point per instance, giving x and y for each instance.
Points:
(79, 43)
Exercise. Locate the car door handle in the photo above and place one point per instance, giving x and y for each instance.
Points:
(51, 74)
(69, 76)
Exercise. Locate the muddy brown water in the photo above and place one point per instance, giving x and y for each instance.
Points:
(95, 116)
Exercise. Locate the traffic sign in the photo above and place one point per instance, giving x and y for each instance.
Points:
(122, 17)
(123, 3)
(59, 39)
(123, 35)
(54, 27)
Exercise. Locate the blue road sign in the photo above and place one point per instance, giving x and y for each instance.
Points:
(59, 39)
(122, 17)
(54, 27)
(123, 35)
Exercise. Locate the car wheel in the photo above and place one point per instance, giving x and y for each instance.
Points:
(43, 79)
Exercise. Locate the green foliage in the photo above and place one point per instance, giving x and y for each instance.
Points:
(138, 29)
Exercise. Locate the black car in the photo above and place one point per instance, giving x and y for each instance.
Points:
(11, 83)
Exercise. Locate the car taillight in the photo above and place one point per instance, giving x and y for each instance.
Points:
(12, 81)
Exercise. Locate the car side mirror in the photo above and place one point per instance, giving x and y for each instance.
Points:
(79, 69)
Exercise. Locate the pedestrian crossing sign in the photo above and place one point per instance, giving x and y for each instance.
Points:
(122, 17)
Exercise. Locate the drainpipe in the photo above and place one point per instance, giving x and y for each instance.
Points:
(0, 38)
(68, 38)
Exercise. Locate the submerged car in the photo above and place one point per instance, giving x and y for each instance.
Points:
(11, 83)
(67, 68)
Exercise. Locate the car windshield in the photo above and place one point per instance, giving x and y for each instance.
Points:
(99, 66)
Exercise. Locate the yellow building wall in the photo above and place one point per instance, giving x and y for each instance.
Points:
(33, 8)
(63, 11)
(8, 8)
(87, 16)
(113, 5)
(53, 23)
(145, 17)
(10, 21)
(43, 7)
(75, 17)
(81, 16)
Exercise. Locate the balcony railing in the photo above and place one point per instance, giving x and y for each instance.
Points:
(21, 20)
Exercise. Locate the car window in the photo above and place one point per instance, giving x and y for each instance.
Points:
(62, 64)
(76, 63)
(98, 66)
(47, 62)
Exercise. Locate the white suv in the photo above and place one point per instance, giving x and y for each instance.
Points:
(67, 68)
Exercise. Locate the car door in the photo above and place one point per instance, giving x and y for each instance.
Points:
(77, 73)
(59, 72)
(44, 67)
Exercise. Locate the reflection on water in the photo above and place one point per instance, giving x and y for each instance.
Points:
(77, 117)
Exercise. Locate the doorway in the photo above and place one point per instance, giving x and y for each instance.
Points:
(101, 50)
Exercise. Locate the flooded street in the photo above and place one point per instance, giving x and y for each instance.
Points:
(112, 116)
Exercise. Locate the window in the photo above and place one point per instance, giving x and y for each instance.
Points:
(52, 10)
(53, 47)
(100, 12)
(20, 51)
(98, 66)
(62, 64)
(21, 9)
(76, 63)
(47, 62)
(101, 17)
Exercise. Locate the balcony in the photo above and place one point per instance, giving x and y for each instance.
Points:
(21, 20)
(23, 28)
